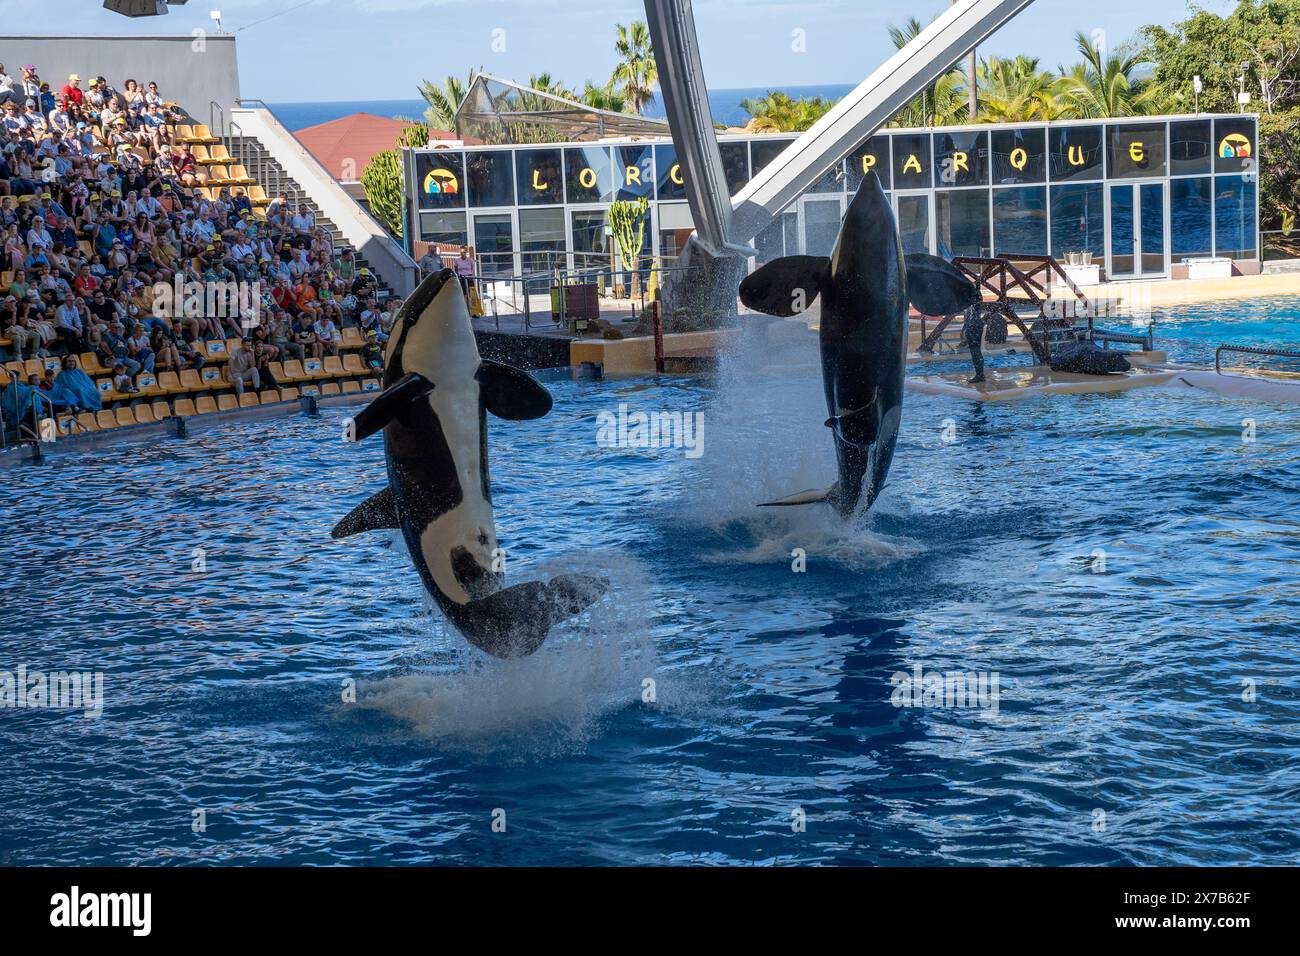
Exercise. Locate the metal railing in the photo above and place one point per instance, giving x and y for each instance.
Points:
(1252, 350)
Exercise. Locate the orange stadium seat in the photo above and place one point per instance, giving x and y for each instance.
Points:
(352, 337)
(205, 405)
(123, 415)
(330, 388)
(352, 364)
(184, 407)
(161, 410)
(105, 419)
(144, 415)
(170, 382)
(248, 400)
(227, 402)
(87, 421)
(191, 381)
(351, 386)
(269, 397)
(288, 394)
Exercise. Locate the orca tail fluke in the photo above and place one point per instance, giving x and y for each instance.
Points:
(515, 621)
(812, 496)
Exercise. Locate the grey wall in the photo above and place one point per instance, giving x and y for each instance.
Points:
(186, 75)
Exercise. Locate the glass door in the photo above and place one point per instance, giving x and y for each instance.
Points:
(820, 224)
(1137, 230)
(915, 215)
(494, 243)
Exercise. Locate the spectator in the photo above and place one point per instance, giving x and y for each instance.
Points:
(73, 388)
(372, 356)
(465, 270)
(242, 367)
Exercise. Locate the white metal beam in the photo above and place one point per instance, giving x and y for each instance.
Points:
(859, 114)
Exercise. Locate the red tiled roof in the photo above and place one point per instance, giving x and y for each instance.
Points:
(346, 145)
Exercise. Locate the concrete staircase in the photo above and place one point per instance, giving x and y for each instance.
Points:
(272, 176)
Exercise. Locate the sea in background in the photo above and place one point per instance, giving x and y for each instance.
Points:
(725, 103)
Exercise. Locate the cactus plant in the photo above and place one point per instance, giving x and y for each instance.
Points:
(628, 219)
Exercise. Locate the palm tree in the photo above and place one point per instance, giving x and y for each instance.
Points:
(943, 101)
(444, 100)
(1016, 91)
(1105, 85)
(607, 97)
(776, 112)
(636, 71)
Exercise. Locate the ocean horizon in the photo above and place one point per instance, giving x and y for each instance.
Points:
(725, 104)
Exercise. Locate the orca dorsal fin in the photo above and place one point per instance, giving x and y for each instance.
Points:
(937, 287)
(511, 393)
(785, 286)
(390, 403)
(376, 512)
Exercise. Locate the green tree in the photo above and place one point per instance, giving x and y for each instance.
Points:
(1016, 91)
(627, 219)
(443, 100)
(382, 179)
(777, 112)
(636, 71)
(944, 101)
(1106, 83)
(607, 97)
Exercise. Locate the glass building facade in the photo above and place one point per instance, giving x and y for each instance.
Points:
(1140, 194)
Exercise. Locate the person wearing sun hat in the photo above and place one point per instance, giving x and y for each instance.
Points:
(73, 92)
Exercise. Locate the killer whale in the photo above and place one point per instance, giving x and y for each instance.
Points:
(865, 286)
(433, 415)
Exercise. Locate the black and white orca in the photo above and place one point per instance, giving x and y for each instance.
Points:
(865, 287)
(432, 411)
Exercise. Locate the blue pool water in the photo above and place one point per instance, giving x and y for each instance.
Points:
(1123, 731)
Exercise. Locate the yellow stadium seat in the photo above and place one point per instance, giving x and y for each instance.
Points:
(311, 390)
(170, 382)
(333, 366)
(105, 419)
(34, 367)
(123, 415)
(184, 407)
(257, 195)
(247, 400)
(218, 175)
(5, 378)
(216, 350)
(288, 394)
(293, 371)
(351, 386)
(352, 364)
(147, 383)
(205, 405)
(201, 154)
(191, 381)
(240, 175)
(219, 153)
(184, 132)
(330, 388)
(204, 135)
(370, 385)
(269, 397)
(213, 376)
(352, 337)
(87, 421)
(144, 415)
(161, 410)
(90, 364)
(227, 402)
(313, 368)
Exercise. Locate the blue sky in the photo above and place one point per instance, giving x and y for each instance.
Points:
(381, 49)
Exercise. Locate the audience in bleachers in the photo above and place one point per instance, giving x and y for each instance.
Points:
(110, 203)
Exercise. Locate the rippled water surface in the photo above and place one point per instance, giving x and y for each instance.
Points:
(1125, 564)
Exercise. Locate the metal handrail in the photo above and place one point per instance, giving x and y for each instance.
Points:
(220, 112)
(1252, 350)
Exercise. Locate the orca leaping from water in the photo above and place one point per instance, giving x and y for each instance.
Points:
(432, 412)
(864, 287)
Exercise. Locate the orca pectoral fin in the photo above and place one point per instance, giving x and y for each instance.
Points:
(376, 512)
(785, 286)
(514, 621)
(511, 393)
(390, 403)
(937, 287)
(812, 496)
(858, 427)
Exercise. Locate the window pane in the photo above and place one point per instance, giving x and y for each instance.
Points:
(447, 228)
(1078, 220)
(735, 164)
(961, 158)
(588, 174)
(1019, 156)
(764, 151)
(671, 182)
(441, 175)
(1074, 153)
(1135, 150)
(871, 155)
(590, 249)
(634, 168)
(1234, 217)
(962, 222)
(831, 181)
(1189, 217)
(491, 178)
(912, 161)
(494, 243)
(1235, 151)
(1189, 147)
(541, 239)
(1020, 221)
(539, 178)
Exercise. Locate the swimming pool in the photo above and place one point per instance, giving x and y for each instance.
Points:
(1125, 564)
